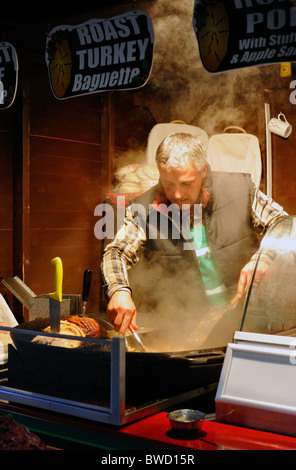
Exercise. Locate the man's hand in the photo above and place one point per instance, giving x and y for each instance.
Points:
(122, 311)
(247, 273)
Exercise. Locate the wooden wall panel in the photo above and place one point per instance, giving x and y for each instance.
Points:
(64, 191)
(75, 119)
(65, 187)
(6, 204)
(283, 152)
(133, 120)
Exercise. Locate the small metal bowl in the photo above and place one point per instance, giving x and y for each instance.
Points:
(186, 420)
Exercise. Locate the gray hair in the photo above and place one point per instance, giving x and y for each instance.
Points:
(178, 149)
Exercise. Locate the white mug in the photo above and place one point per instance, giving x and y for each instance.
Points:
(280, 126)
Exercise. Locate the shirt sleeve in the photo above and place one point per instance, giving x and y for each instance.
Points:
(122, 253)
(265, 212)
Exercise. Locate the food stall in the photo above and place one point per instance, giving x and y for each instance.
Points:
(111, 394)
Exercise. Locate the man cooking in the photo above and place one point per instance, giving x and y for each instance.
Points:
(209, 261)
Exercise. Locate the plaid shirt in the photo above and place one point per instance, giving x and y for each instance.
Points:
(123, 252)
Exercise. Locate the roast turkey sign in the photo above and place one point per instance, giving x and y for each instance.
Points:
(100, 55)
(233, 34)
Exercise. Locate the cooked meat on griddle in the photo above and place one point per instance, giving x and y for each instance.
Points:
(73, 325)
(89, 326)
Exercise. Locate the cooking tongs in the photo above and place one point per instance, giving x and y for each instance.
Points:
(134, 333)
(137, 337)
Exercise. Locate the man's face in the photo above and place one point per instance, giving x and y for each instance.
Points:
(182, 185)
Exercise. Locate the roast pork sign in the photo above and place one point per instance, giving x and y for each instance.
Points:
(8, 74)
(233, 34)
(100, 55)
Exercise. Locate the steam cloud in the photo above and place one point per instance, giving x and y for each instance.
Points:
(209, 101)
